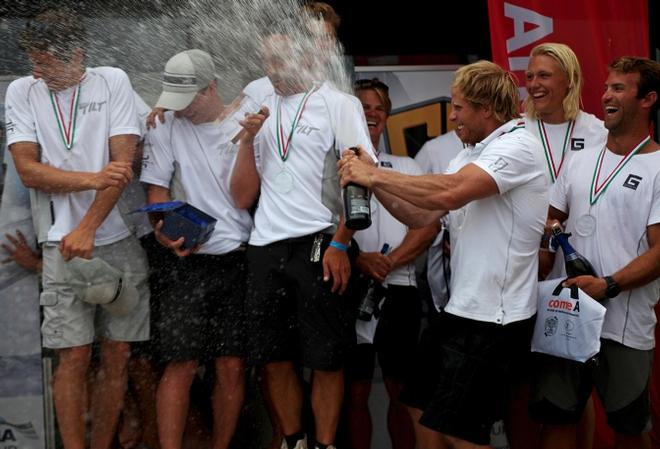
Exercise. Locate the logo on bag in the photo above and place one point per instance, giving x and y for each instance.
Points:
(27, 430)
(551, 326)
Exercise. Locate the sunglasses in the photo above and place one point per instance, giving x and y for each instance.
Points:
(373, 83)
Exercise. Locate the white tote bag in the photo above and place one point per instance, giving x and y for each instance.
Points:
(568, 322)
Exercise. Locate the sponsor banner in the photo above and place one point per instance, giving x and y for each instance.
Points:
(597, 30)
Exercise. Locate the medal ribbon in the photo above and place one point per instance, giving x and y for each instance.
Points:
(552, 167)
(596, 191)
(67, 133)
(282, 145)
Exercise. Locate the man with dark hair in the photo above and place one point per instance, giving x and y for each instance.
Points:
(610, 201)
(72, 132)
(496, 192)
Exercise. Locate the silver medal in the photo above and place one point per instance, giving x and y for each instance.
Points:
(585, 225)
(283, 181)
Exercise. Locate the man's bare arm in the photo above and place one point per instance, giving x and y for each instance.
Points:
(37, 175)
(80, 241)
(245, 181)
(413, 244)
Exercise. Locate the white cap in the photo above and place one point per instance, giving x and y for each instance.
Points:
(97, 282)
(186, 73)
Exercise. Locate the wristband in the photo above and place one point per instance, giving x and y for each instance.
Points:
(339, 246)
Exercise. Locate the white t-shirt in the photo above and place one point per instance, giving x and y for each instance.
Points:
(202, 157)
(435, 155)
(300, 197)
(387, 229)
(561, 141)
(612, 231)
(495, 240)
(105, 108)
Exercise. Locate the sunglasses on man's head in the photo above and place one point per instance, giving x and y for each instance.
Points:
(373, 83)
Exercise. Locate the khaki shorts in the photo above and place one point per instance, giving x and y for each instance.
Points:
(70, 322)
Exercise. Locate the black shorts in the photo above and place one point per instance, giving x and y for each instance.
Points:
(202, 311)
(474, 360)
(396, 337)
(291, 313)
(561, 387)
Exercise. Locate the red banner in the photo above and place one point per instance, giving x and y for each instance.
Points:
(597, 30)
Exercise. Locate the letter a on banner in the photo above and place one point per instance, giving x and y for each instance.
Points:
(521, 17)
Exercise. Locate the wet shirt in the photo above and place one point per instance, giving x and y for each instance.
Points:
(100, 107)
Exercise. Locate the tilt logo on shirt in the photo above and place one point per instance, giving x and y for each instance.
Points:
(305, 129)
(92, 106)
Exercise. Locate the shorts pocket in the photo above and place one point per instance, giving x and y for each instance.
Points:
(48, 298)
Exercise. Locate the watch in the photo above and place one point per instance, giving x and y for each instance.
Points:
(612, 289)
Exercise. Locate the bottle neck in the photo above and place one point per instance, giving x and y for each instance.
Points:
(569, 251)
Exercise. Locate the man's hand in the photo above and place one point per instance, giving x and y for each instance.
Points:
(252, 123)
(175, 245)
(115, 174)
(21, 253)
(151, 118)
(337, 266)
(78, 243)
(592, 286)
(375, 265)
(356, 168)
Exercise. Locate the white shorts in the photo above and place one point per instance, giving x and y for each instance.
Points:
(68, 321)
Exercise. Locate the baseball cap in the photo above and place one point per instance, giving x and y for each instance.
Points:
(185, 74)
(97, 282)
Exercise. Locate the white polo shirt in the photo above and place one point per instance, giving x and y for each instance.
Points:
(387, 229)
(105, 108)
(495, 240)
(203, 157)
(300, 196)
(612, 231)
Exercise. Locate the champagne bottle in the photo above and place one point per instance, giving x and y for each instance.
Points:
(357, 210)
(375, 291)
(576, 264)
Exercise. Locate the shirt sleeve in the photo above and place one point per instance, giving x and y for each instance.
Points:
(20, 124)
(123, 112)
(350, 126)
(423, 158)
(158, 158)
(510, 161)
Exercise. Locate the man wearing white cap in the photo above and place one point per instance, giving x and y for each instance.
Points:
(189, 158)
(72, 133)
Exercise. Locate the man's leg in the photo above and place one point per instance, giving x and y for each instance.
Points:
(327, 395)
(228, 395)
(399, 423)
(172, 402)
(69, 385)
(359, 417)
(108, 392)
(145, 382)
(286, 395)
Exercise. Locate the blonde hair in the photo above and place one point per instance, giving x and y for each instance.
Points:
(484, 83)
(570, 65)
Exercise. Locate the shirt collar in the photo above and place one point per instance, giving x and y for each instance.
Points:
(510, 126)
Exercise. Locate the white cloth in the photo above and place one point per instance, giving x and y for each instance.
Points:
(435, 155)
(204, 156)
(612, 232)
(106, 108)
(387, 229)
(312, 204)
(588, 133)
(495, 240)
